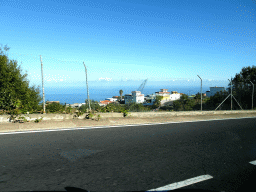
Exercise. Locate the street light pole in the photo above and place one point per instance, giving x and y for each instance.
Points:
(201, 93)
(87, 88)
(252, 90)
(42, 83)
(252, 93)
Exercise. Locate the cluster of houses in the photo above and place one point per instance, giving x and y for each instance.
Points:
(164, 95)
(137, 97)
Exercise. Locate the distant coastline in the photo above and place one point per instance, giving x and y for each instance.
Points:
(78, 95)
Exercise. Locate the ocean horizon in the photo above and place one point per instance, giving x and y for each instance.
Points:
(71, 95)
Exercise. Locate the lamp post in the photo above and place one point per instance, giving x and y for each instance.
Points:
(42, 84)
(252, 93)
(87, 88)
(201, 93)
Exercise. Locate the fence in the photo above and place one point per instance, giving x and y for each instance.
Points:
(65, 81)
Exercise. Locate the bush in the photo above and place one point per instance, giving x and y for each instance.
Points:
(166, 108)
(136, 107)
(38, 120)
(91, 115)
(55, 107)
(78, 114)
(125, 112)
(23, 118)
(93, 104)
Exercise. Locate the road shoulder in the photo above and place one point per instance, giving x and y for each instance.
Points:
(73, 123)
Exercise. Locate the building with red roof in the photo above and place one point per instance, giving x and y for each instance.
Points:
(105, 102)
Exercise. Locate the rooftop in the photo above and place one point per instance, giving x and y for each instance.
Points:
(105, 102)
(162, 92)
(216, 87)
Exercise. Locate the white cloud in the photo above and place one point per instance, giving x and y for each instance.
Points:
(106, 79)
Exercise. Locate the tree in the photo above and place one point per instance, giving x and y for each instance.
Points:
(242, 87)
(121, 93)
(14, 87)
(157, 102)
(214, 101)
(115, 107)
(55, 107)
(197, 97)
(136, 107)
(94, 106)
(184, 103)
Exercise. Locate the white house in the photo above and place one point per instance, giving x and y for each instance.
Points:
(163, 93)
(111, 99)
(135, 97)
(138, 97)
(77, 104)
(174, 96)
(214, 90)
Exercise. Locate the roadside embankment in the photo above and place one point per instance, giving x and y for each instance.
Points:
(61, 117)
(189, 113)
(114, 121)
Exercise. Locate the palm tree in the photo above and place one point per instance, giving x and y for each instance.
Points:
(121, 93)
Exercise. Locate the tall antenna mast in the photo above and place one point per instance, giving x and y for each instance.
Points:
(87, 88)
(42, 83)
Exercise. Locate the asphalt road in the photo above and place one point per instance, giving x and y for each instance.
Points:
(132, 158)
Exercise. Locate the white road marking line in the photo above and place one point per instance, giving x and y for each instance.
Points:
(183, 183)
(253, 162)
(128, 125)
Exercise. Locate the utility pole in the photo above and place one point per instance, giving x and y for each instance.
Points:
(231, 93)
(42, 83)
(87, 88)
(252, 93)
(201, 93)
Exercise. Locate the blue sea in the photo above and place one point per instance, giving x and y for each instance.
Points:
(72, 95)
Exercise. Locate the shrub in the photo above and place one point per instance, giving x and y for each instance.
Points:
(125, 112)
(23, 118)
(54, 107)
(78, 114)
(91, 115)
(38, 120)
(136, 107)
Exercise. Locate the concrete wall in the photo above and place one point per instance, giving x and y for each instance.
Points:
(32, 117)
(185, 113)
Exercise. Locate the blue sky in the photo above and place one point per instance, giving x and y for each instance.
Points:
(162, 40)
